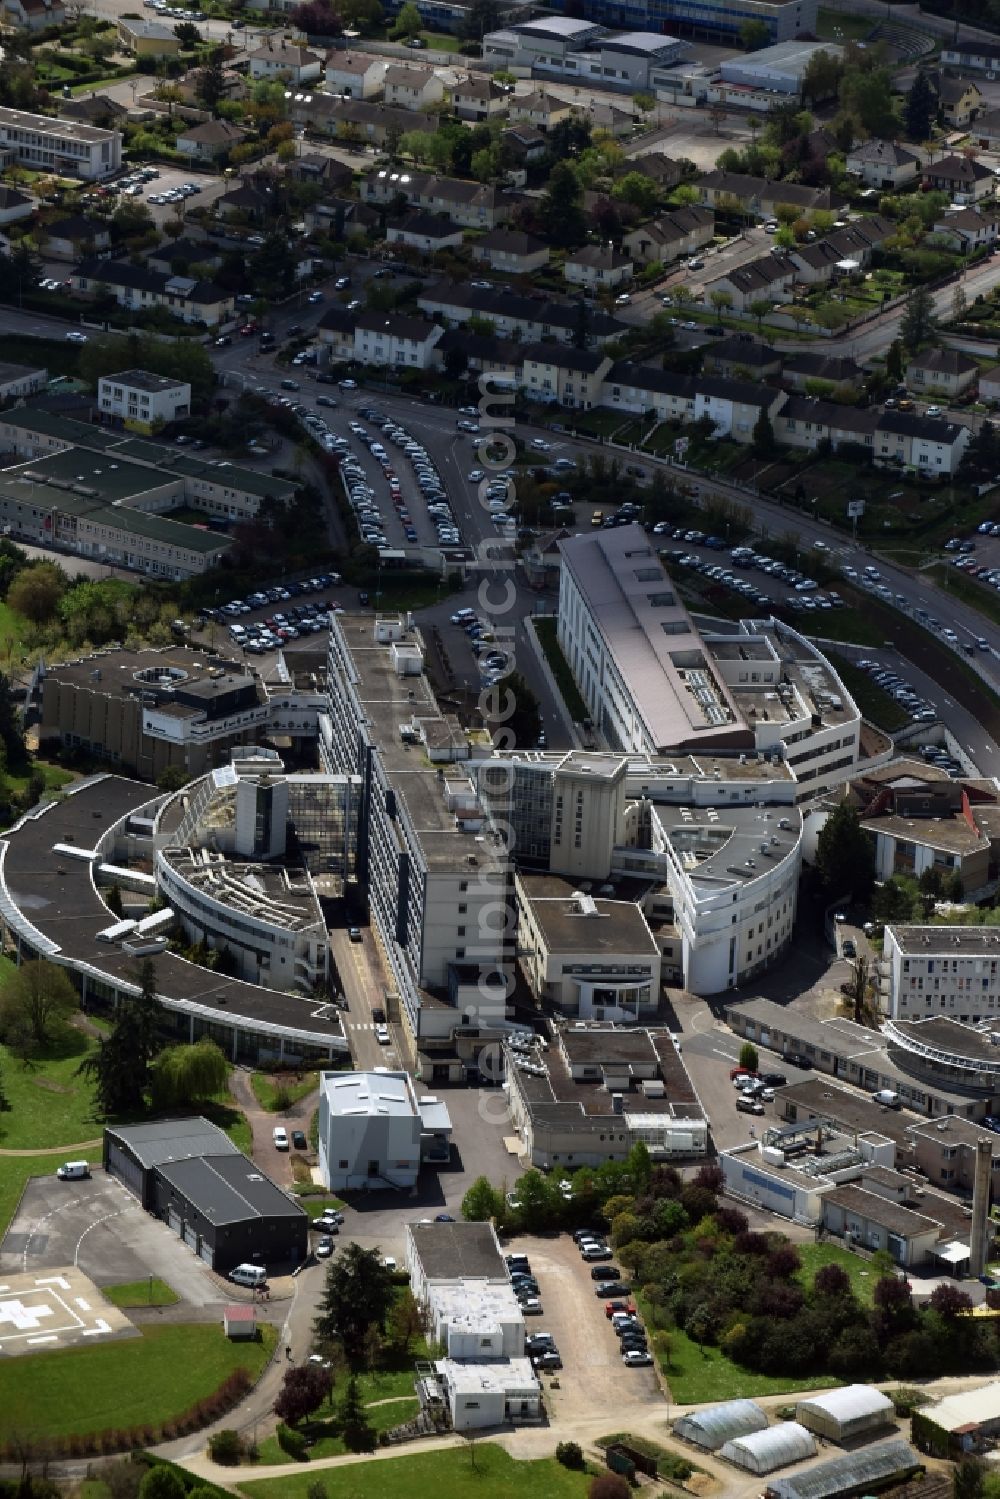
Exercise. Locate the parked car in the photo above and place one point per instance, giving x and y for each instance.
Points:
(280, 1137)
(299, 1140)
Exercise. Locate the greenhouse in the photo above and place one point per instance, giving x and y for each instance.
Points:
(842, 1414)
(855, 1473)
(718, 1424)
(763, 1451)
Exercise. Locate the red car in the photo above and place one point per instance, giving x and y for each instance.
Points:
(248, 330)
(611, 1307)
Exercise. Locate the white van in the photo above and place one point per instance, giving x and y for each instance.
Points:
(248, 1275)
(72, 1171)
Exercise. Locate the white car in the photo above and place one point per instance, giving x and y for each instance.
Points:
(624, 300)
(540, 445)
(636, 1359)
(73, 337)
(475, 476)
(382, 1035)
(934, 411)
(280, 1137)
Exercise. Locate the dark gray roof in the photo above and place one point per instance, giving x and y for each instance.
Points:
(830, 414)
(546, 310)
(647, 377)
(853, 1473)
(909, 424)
(165, 1140)
(123, 273)
(448, 1251)
(431, 225)
(740, 348)
(566, 358)
(229, 1189)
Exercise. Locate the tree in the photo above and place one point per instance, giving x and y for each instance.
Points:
(357, 1295)
(210, 87)
(608, 1486)
(407, 24)
(639, 190)
(721, 301)
(162, 1483)
(482, 1202)
(318, 18)
(894, 361)
(858, 983)
(406, 1321)
(982, 456)
(950, 1302)
(11, 732)
(868, 96)
(919, 325)
(970, 1479)
(570, 1454)
(560, 211)
(34, 1000)
(183, 1074)
(36, 591)
(303, 1390)
(954, 889)
(844, 854)
(760, 307)
(364, 15)
(919, 109)
(188, 35)
(114, 902)
(763, 434)
(754, 35)
(121, 1064)
(959, 303)
(749, 1057)
(480, 17)
(355, 1427)
(821, 78)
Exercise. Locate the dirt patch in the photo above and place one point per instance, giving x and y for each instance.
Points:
(49, 1085)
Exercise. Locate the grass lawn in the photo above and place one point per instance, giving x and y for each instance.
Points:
(223, 1112)
(878, 706)
(50, 1104)
(696, 1375)
(977, 595)
(266, 1086)
(545, 629)
(406, 594)
(58, 357)
(381, 1417)
(151, 1292)
(482, 1469)
(814, 1256)
(849, 625)
(135, 1382)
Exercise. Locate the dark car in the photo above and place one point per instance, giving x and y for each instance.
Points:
(548, 1360)
(796, 1059)
(299, 1140)
(443, 1218)
(605, 1272)
(774, 1079)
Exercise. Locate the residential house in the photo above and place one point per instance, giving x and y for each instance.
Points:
(541, 109)
(564, 375)
(530, 318)
(663, 170)
(960, 101)
(511, 251)
(254, 204)
(967, 181)
(986, 131)
(474, 205)
(805, 422)
(618, 122)
(211, 140)
(743, 356)
(425, 232)
(75, 236)
(928, 444)
(33, 15)
(679, 233)
(815, 264)
(799, 369)
(357, 75)
(336, 332)
(768, 279)
(284, 62)
(598, 268)
(861, 238)
(95, 109)
(15, 205)
(643, 388)
(337, 216)
(356, 120)
(941, 372)
(757, 197)
(147, 38)
(523, 144)
(483, 354)
(138, 288)
(478, 99)
(177, 255)
(982, 55)
(968, 229)
(734, 406)
(883, 164)
(989, 386)
(412, 88)
(391, 338)
(324, 171)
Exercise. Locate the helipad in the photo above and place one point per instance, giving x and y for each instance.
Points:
(55, 1309)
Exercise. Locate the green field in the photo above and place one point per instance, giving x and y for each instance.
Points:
(877, 705)
(50, 1104)
(815, 1256)
(151, 1292)
(381, 1417)
(545, 629)
(133, 1382)
(481, 1469)
(699, 1374)
(265, 1088)
(977, 595)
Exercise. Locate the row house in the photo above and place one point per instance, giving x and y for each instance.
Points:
(478, 99)
(531, 318)
(682, 232)
(511, 251)
(138, 288)
(804, 422)
(768, 279)
(941, 372)
(598, 268)
(356, 75)
(391, 338)
(352, 120)
(426, 232)
(412, 88)
(969, 229)
(474, 205)
(563, 375)
(760, 198)
(928, 444)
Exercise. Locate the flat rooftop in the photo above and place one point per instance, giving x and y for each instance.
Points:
(951, 835)
(174, 673)
(230, 1189)
(952, 941)
(890, 1215)
(729, 845)
(145, 380)
(279, 895)
(819, 1098)
(950, 1038)
(595, 925)
(457, 1251)
(580, 1104)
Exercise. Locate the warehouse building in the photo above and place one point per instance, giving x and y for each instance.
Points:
(841, 1415)
(713, 1427)
(189, 1174)
(762, 1452)
(779, 69)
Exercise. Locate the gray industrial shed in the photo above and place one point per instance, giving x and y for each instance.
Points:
(839, 1415)
(762, 1451)
(859, 1472)
(713, 1427)
(190, 1175)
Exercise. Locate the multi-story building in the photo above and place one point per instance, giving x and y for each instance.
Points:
(138, 288)
(374, 1130)
(947, 970)
(393, 338)
(717, 21)
(141, 401)
(473, 205)
(66, 147)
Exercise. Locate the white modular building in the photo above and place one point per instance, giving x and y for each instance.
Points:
(762, 1452)
(489, 1394)
(373, 1131)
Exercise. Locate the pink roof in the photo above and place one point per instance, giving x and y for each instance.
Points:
(240, 1314)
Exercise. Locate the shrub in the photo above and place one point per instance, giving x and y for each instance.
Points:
(570, 1454)
(225, 1447)
(609, 1486)
(292, 1442)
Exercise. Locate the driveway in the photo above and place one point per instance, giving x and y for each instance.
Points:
(593, 1385)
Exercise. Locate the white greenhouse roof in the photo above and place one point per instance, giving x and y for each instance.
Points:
(848, 1404)
(970, 1408)
(718, 1424)
(763, 1451)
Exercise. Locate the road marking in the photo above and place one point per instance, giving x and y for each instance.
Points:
(54, 1280)
(49, 1338)
(82, 1303)
(730, 1056)
(99, 1327)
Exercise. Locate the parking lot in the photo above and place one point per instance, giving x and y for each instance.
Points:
(593, 1384)
(99, 1228)
(162, 193)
